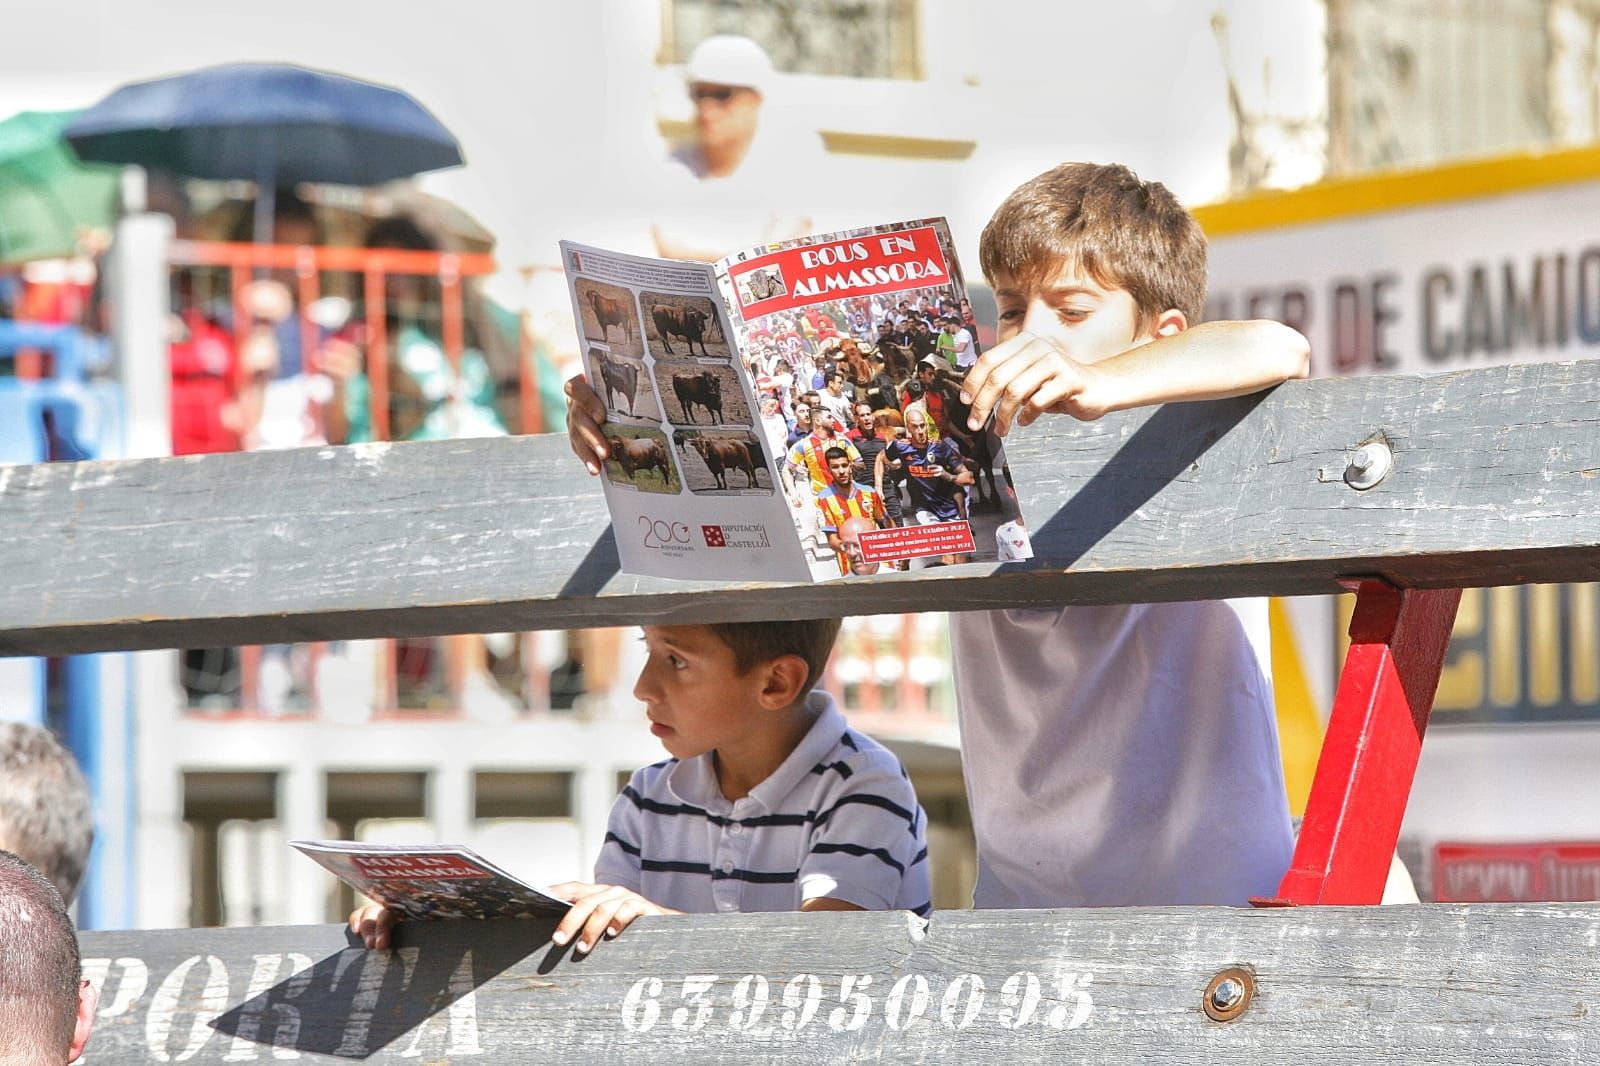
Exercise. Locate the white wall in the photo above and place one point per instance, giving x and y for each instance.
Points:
(554, 103)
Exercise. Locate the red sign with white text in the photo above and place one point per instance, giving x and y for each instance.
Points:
(1516, 873)
(879, 262)
(914, 542)
(414, 866)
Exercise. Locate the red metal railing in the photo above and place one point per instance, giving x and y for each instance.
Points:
(310, 266)
(375, 266)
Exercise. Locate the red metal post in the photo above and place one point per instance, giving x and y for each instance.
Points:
(451, 326)
(1369, 756)
(532, 415)
(452, 312)
(308, 288)
(376, 294)
(238, 280)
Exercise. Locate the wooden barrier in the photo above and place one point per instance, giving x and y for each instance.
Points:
(1494, 481)
(1441, 984)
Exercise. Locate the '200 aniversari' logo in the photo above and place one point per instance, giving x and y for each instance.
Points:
(659, 533)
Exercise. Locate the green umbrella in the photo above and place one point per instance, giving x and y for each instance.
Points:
(47, 197)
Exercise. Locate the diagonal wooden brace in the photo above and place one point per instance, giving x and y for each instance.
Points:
(1369, 756)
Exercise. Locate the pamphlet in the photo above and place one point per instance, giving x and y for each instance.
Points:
(699, 364)
(429, 881)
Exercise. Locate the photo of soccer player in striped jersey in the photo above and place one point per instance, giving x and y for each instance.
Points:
(845, 498)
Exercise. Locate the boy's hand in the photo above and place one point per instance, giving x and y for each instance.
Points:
(1024, 378)
(373, 924)
(586, 413)
(599, 910)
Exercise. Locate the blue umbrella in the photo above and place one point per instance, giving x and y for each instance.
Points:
(274, 124)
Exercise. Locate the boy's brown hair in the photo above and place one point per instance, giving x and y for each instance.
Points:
(754, 643)
(1122, 232)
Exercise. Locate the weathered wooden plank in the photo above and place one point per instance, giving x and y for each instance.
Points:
(1419, 984)
(1494, 482)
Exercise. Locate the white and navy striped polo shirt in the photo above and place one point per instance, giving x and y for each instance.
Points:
(838, 819)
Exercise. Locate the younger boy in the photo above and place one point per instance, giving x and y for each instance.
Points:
(770, 801)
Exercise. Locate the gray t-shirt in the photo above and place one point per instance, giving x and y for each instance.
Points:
(1123, 755)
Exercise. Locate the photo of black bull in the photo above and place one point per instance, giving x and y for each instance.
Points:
(624, 384)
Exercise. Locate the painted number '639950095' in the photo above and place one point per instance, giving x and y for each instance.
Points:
(753, 1004)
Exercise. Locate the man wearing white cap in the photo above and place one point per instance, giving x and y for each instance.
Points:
(739, 183)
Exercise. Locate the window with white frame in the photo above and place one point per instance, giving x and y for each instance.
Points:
(840, 38)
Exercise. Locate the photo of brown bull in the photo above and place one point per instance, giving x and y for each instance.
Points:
(690, 323)
(721, 456)
(712, 462)
(640, 460)
(698, 389)
(608, 315)
(679, 326)
(640, 455)
(609, 312)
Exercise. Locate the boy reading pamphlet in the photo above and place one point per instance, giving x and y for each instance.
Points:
(769, 802)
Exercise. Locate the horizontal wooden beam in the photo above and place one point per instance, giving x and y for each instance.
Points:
(1495, 480)
(1351, 986)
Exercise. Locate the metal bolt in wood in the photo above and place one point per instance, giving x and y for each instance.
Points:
(1229, 994)
(1370, 465)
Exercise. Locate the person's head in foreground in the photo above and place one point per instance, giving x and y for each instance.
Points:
(46, 1007)
(850, 531)
(1095, 260)
(45, 809)
(736, 688)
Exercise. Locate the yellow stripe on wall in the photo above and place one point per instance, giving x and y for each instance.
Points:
(1371, 194)
(1299, 725)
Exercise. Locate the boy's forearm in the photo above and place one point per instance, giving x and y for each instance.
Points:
(829, 903)
(1205, 362)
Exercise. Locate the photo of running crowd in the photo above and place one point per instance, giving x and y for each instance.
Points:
(862, 397)
(432, 898)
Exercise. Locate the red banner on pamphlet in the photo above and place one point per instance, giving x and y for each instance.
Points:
(877, 262)
(444, 867)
